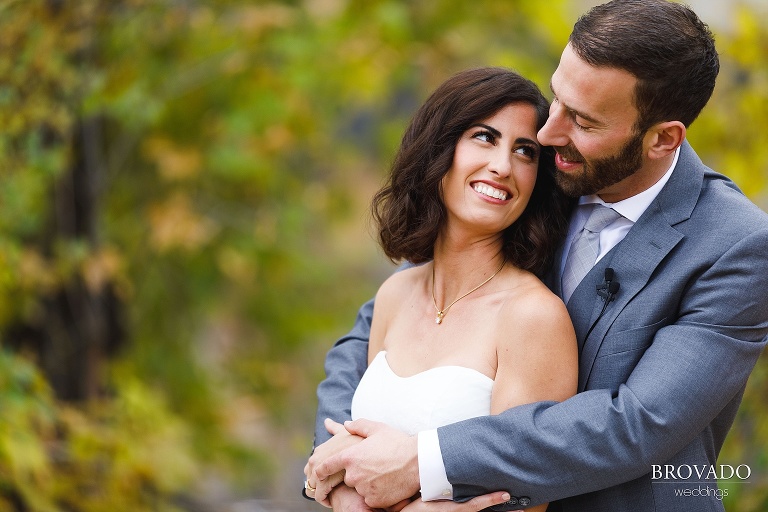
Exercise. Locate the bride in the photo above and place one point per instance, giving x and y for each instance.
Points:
(470, 329)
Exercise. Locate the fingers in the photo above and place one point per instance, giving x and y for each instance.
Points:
(485, 501)
(309, 490)
(326, 485)
(333, 428)
(346, 499)
(362, 427)
(473, 505)
(329, 466)
(337, 444)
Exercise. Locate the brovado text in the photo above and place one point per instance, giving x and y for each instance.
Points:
(700, 471)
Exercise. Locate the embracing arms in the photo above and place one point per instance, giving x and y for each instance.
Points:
(691, 372)
(534, 358)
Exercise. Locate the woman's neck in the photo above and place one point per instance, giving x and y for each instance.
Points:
(460, 266)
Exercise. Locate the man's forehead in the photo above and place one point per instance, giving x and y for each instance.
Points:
(595, 91)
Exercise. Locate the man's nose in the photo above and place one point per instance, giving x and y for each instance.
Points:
(553, 132)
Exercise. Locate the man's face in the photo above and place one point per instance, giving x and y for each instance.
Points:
(592, 128)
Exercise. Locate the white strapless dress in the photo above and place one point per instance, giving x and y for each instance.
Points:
(427, 400)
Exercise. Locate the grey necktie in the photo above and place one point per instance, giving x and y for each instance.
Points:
(585, 248)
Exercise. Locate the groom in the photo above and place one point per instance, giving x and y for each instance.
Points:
(664, 273)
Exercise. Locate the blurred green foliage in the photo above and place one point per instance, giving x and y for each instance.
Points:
(183, 196)
(126, 453)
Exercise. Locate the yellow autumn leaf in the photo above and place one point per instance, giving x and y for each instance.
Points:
(173, 162)
(174, 224)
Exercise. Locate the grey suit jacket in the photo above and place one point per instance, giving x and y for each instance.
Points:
(661, 373)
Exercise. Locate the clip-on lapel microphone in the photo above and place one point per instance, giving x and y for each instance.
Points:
(607, 291)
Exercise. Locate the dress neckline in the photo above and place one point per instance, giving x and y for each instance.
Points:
(383, 355)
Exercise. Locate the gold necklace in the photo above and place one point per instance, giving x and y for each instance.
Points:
(442, 312)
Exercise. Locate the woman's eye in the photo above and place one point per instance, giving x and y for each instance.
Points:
(528, 151)
(485, 136)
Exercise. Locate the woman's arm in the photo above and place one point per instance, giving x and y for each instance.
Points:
(537, 353)
(537, 358)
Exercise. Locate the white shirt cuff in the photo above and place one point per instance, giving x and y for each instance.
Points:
(432, 477)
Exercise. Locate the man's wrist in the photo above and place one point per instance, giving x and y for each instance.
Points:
(432, 476)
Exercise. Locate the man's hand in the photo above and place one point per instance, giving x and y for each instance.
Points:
(383, 468)
(341, 440)
(473, 505)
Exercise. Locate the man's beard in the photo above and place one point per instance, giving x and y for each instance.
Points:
(602, 172)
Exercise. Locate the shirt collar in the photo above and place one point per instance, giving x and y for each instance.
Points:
(633, 207)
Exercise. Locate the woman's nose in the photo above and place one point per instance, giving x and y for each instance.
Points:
(501, 163)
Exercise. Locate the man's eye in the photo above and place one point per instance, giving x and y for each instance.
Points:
(580, 126)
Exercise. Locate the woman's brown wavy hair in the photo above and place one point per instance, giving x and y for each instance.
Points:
(409, 211)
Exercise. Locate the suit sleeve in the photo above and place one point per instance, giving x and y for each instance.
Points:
(345, 364)
(690, 372)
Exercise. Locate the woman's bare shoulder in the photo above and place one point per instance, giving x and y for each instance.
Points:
(531, 305)
(401, 281)
(398, 286)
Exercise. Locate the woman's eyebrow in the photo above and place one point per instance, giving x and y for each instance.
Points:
(496, 133)
(525, 140)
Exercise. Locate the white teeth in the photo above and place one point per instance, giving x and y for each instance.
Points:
(489, 191)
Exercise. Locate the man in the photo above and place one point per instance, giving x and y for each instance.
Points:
(670, 318)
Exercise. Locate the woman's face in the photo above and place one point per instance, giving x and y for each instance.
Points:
(493, 171)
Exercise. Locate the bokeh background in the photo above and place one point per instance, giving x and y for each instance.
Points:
(184, 188)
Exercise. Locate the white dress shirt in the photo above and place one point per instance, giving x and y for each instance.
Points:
(432, 475)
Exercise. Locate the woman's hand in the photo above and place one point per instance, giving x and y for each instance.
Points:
(473, 505)
(340, 441)
(345, 499)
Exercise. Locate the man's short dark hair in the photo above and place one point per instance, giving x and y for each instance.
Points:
(664, 44)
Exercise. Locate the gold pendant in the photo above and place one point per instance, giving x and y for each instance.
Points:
(439, 317)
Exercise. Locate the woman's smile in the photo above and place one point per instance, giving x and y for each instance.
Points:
(494, 169)
(491, 191)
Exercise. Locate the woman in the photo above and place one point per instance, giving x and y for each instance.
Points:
(472, 330)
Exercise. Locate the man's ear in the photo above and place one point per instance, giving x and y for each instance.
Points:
(664, 138)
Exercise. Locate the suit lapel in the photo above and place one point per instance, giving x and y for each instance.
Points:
(635, 258)
(585, 305)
